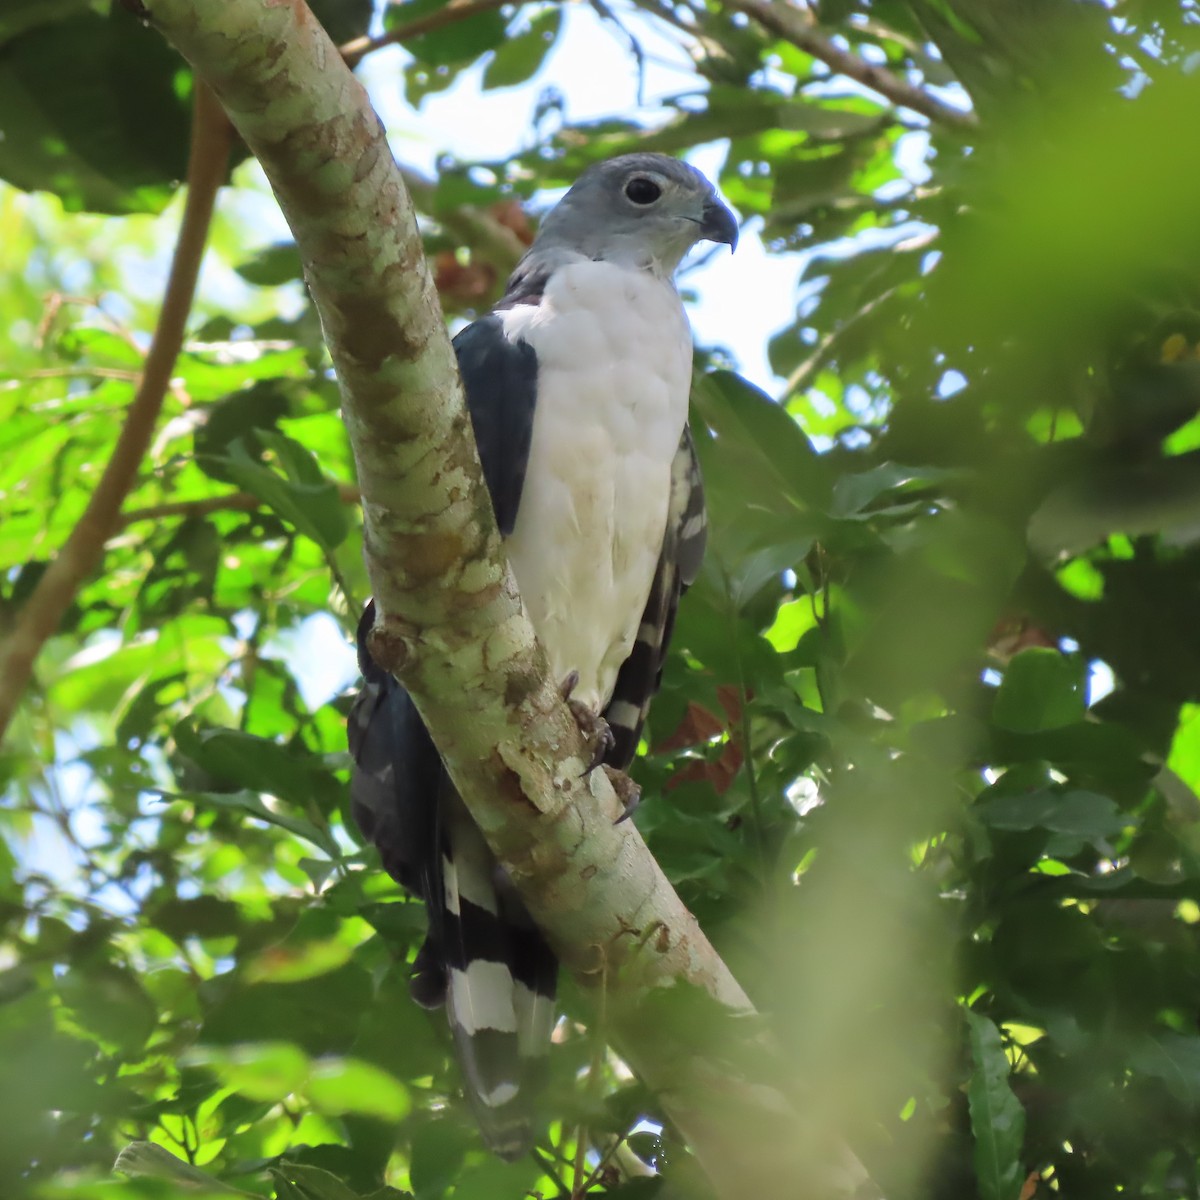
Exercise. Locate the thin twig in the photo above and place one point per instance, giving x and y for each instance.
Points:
(354, 51)
(804, 373)
(123, 375)
(544, 1163)
(798, 26)
(635, 47)
(84, 548)
(230, 502)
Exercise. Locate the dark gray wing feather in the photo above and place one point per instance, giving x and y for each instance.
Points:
(500, 379)
(678, 565)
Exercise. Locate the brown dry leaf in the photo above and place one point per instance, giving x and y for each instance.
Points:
(511, 215)
(719, 774)
(1011, 635)
(465, 284)
(697, 727)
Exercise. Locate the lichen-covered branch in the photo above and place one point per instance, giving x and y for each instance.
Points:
(451, 623)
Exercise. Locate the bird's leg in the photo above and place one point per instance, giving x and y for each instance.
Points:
(628, 792)
(592, 725)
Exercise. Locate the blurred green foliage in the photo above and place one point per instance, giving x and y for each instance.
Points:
(926, 758)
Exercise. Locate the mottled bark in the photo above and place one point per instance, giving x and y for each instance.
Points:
(451, 624)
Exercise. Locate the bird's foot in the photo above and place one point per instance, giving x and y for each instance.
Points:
(592, 725)
(628, 792)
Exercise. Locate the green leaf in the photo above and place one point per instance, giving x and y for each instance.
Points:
(1041, 690)
(486, 1181)
(764, 436)
(252, 804)
(243, 761)
(438, 1150)
(457, 42)
(145, 1160)
(343, 19)
(20, 15)
(349, 1085)
(1085, 815)
(519, 58)
(997, 1118)
(302, 495)
(1175, 1059)
(301, 1181)
(94, 109)
(110, 1003)
(272, 266)
(307, 958)
(757, 568)
(268, 1071)
(854, 492)
(321, 1015)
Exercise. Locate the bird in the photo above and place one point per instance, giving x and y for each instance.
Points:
(577, 383)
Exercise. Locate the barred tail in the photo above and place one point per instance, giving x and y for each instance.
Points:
(500, 998)
(483, 956)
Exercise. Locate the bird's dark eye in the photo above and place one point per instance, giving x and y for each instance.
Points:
(642, 190)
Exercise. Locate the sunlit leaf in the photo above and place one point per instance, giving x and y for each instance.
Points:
(997, 1119)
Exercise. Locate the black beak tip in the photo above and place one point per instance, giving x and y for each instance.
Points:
(719, 224)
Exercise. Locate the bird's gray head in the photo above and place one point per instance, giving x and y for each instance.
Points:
(640, 210)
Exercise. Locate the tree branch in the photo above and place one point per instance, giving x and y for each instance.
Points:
(798, 25)
(450, 620)
(84, 548)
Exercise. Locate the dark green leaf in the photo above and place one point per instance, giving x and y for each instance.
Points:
(520, 57)
(1175, 1059)
(272, 266)
(438, 1150)
(1041, 690)
(1081, 814)
(302, 495)
(997, 1118)
(343, 19)
(303, 1182)
(93, 109)
(457, 42)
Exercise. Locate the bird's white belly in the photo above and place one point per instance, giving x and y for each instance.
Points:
(614, 373)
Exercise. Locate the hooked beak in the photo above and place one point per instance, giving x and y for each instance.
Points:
(718, 224)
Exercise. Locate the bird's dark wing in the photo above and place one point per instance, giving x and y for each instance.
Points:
(394, 786)
(500, 379)
(678, 565)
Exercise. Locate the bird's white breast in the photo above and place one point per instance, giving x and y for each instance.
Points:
(614, 372)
